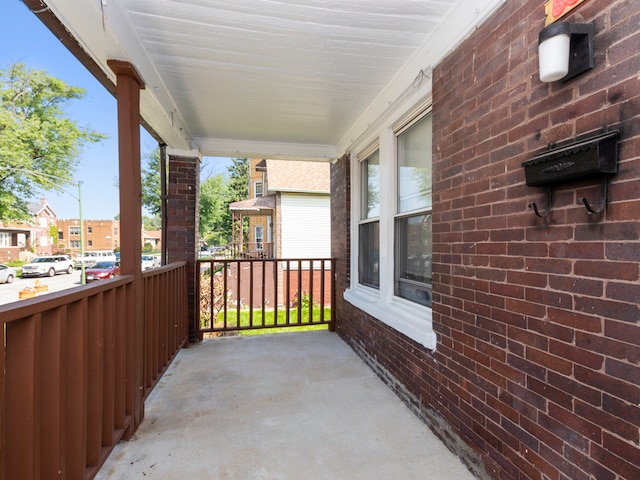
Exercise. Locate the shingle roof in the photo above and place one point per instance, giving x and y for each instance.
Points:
(267, 202)
(298, 176)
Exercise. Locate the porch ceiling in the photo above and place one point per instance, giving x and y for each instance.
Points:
(277, 78)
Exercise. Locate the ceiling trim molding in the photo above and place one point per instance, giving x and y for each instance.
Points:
(252, 149)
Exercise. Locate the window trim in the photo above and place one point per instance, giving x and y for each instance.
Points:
(399, 215)
(407, 317)
(255, 188)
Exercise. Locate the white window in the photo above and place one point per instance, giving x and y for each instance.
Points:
(257, 189)
(74, 231)
(369, 228)
(413, 219)
(391, 233)
(75, 243)
(5, 240)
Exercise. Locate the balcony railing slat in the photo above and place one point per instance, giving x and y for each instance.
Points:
(22, 397)
(75, 391)
(108, 393)
(94, 379)
(51, 366)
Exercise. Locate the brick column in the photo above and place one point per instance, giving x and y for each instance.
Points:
(340, 232)
(183, 222)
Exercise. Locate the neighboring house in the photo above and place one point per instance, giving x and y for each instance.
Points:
(98, 235)
(288, 208)
(152, 237)
(30, 236)
(289, 214)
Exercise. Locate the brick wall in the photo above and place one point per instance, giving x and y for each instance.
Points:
(536, 371)
(183, 217)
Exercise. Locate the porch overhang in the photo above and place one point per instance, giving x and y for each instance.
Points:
(254, 206)
(261, 79)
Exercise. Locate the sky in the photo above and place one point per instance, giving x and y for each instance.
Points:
(23, 38)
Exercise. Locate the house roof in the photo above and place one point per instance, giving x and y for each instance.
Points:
(156, 234)
(34, 208)
(263, 78)
(298, 176)
(267, 202)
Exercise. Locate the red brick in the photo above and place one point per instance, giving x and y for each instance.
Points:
(611, 270)
(601, 381)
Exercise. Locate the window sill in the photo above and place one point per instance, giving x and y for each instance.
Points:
(408, 318)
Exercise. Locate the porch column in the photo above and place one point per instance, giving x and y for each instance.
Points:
(340, 234)
(128, 86)
(183, 223)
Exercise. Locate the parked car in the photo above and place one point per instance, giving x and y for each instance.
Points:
(150, 261)
(95, 256)
(48, 266)
(7, 274)
(102, 270)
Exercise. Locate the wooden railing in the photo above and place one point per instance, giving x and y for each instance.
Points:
(68, 367)
(165, 319)
(252, 294)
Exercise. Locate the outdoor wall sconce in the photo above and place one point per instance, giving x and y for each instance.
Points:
(565, 50)
(595, 156)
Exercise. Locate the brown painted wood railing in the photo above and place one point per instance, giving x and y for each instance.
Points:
(166, 319)
(252, 294)
(69, 362)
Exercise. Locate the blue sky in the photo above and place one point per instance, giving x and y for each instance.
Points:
(24, 38)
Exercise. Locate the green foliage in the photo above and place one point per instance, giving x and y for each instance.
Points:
(147, 248)
(212, 207)
(215, 195)
(53, 233)
(151, 223)
(237, 189)
(151, 191)
(36, 135)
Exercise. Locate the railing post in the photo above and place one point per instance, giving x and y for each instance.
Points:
(332, 322)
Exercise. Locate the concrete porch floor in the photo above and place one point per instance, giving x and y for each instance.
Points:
(286, 406)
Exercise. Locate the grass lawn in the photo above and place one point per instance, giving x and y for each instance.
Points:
(269, 320)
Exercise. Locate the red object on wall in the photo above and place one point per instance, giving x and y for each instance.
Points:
(554, 9)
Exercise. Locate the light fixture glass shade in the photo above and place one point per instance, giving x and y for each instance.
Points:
(553, 52)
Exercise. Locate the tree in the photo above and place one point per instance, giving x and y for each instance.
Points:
(151, 223)
(36, 135)
(215, 195)
(212, 208)
(237, 189)
(151, 191)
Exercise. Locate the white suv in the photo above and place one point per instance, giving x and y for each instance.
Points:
(47, 266)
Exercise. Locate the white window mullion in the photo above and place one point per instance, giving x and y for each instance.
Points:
(387, 211)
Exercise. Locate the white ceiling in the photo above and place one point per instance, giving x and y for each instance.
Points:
(279, 77)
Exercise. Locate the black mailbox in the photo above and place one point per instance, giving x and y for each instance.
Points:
(596, 155)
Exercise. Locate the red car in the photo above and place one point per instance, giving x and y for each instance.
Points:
(102, 270)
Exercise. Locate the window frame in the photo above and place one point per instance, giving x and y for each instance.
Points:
(423, 290)
(257, 194)
(407, 317)
(365, 221)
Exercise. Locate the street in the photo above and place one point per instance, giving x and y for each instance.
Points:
(9, 292)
